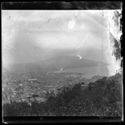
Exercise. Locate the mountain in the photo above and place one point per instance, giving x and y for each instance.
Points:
(59, 64)
(56, 64)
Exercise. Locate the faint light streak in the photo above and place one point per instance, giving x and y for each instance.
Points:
(80, 57)
(71, 24)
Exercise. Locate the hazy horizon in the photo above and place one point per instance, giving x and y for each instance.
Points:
(71, 40)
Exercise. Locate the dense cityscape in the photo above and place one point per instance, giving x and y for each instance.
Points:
(26, 86)
(45, 90)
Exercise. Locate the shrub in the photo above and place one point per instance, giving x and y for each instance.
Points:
(103, 99)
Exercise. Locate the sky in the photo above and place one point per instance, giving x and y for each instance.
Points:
(63, 37)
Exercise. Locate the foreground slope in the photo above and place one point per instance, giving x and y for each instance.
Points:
(99, 98)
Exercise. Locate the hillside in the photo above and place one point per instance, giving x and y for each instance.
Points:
(100, 98)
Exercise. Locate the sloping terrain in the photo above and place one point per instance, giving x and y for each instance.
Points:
(100, 98)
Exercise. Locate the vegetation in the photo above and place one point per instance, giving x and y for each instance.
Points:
(101, 98)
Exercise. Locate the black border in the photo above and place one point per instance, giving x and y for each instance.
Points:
(58, 119)
(60, 5)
